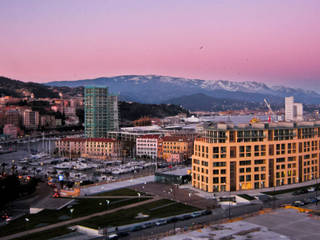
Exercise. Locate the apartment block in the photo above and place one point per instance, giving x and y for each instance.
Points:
(232, 157)
(10, 130)
(95, 148)
(31, 119)
(147, 146)
(13, 117)
(175, 145)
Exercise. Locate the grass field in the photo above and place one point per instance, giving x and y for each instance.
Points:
(157, 209)
(83, 207)
(127, 216)
(45, 235)
(121, 192)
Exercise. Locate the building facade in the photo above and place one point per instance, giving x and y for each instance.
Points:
(293, 111)
(147, 146)
(252, 156)
(175, 145)
(13, 117)
(101, 112)
(30, 119)
(70, 147)
(10, 130)
(95, 148)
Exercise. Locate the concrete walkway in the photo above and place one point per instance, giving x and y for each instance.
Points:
(115, 197)
(116, 185)
(75, 220)
(249, 192)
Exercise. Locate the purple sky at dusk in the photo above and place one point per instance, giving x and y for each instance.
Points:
(271, 41)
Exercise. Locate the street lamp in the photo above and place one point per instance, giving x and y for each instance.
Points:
(229, 210)
(316, 191)
(274, 191)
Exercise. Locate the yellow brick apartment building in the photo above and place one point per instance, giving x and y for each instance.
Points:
(176, 145)
(252, 156)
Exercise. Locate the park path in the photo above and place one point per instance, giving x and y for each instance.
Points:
(116, 197)
(75, 220)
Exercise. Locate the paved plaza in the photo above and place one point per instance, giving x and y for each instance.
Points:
(176, 193)
(115, 185)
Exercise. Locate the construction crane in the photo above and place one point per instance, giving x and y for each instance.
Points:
(270, 111)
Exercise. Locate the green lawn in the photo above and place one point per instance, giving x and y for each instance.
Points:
(120, 192)
(162, 208)
(45, 235)
(83, 207)
(127, 216)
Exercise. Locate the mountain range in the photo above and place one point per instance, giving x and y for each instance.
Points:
(165, 89)
(192, 94)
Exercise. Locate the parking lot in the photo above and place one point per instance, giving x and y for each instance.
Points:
(278, 224)
(289, 222)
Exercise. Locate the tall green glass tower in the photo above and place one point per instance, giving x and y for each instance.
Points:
(101, 112)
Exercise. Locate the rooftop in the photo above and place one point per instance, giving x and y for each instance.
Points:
(88, 139)
(176, 139)
(151, 136)
(142, 128)
(262, 125)
(177, 172)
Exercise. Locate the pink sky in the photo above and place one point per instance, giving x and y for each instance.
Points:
(271, 41)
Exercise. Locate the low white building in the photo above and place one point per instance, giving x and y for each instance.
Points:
(147, 145)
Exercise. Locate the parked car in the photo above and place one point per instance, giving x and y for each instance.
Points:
(298, 203)
(311, 189)
(206, 212)
(136, 228)
(187, 216)
(161, 222)
(300, 191)
(195, 214)
(307, 201)
(173, 219)
(147, 225)
(313, 200)
(113, 236)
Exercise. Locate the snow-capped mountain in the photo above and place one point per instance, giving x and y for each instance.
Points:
(157, 89)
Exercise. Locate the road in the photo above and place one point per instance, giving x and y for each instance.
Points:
(218, 214)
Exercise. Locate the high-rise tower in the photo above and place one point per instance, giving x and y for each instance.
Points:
(293, 111)
(101, 112)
